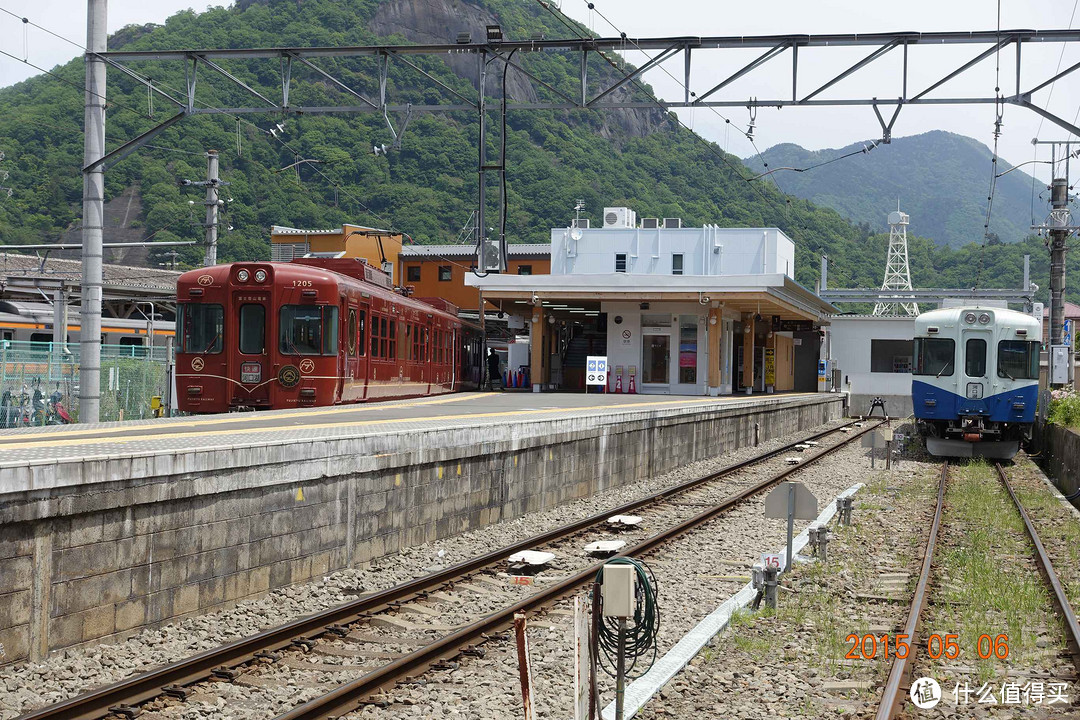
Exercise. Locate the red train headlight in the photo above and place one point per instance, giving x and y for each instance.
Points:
(242, 276)
(260, 276)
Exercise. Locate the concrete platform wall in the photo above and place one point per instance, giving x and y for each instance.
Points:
(1061, 450)
(101, 549)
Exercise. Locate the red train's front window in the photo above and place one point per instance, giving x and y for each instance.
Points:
(203, 328)
(308, 330)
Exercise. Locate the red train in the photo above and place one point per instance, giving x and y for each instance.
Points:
(314, 331)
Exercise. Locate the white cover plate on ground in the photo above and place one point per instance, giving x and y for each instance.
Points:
(624, 520)
(532, 557)
(605, 546)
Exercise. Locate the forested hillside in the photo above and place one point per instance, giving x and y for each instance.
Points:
(642, 159)
(940, 178)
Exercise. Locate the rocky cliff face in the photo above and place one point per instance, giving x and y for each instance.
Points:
(440, 21)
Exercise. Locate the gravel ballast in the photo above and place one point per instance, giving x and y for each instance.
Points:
(30, 685)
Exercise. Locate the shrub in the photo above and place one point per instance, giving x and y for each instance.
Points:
(1065, 408)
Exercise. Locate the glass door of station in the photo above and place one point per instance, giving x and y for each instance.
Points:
(669, 352)
(656, 350)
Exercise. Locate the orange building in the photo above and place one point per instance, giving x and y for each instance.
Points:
(440, 270)
(430, 270)
(379, 248)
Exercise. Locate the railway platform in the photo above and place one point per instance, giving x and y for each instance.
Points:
(108, 529)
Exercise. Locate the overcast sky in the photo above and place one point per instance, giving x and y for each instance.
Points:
(815, 128)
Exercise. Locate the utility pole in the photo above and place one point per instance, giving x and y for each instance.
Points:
(1059, 227)
(212, 182)
(213, 204)
(1059, 200)
(93, 219)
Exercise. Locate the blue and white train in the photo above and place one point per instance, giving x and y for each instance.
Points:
(975, 380)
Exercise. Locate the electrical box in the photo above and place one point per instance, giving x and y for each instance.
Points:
(617, 590)
(1059, 365)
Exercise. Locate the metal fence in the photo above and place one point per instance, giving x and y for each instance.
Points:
(34, 375)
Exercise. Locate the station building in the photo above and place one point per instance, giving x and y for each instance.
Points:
(679, 310)
(427, 270)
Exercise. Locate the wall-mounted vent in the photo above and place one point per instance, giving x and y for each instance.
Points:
(672, 223)
(650, 223)
(619, 217)
(284, 252)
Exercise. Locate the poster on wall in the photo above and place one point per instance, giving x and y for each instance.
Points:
(770, 366)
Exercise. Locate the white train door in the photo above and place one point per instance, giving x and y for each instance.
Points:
(976, 349)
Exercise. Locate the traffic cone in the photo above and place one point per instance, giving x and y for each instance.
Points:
(633, 387)
(618, 384)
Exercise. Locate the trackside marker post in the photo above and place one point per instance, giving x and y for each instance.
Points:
(524, 665)
(791, 500)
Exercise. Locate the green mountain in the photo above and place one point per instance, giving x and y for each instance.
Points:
(941, 180)
(643, 158)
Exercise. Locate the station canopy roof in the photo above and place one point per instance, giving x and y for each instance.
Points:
(771, 294)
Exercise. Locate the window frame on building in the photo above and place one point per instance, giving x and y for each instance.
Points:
(446, 273)
(677, 268)
(620, 258)
(884, 353)
(412, 273)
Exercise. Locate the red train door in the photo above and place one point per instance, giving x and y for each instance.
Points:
(351, 390)
(363, 344)
(252, 337)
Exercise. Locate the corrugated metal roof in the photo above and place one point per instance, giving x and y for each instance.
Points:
(514, 249)
(282, 230)
(12, 264)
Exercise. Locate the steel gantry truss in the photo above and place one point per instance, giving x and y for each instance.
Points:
(596, 90)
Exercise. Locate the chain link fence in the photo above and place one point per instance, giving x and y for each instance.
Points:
(39, 382)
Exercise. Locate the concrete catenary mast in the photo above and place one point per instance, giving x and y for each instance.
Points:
(93, 219)
(897, 270)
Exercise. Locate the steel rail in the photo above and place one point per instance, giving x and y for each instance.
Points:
(1065, 610)
(892, 699)
(349, 696)
(96, 704)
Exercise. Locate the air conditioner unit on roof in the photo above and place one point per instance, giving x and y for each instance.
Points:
(619, 217)
(579, 222)
(672, 222)
(650, 223)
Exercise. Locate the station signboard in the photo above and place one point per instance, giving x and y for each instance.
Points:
(596, 370)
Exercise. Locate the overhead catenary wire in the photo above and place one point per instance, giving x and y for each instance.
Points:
(239, 120)
(747, 133)
(1061, 57)
(999, 111)
(709, 146)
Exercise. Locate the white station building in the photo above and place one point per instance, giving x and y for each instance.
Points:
(680, 310)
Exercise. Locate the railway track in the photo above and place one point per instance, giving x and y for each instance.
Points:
(333, 632)
(898, 684)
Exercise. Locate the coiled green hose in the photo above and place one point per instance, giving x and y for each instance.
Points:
(639, 638)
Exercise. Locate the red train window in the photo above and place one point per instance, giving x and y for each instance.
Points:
(352, 331)
(360, 333)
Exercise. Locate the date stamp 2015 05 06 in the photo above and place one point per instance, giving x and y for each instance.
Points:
(887, 647)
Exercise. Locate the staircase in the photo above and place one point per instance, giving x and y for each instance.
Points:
(577, 350)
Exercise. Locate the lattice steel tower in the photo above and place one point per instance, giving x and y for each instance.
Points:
(897, 271)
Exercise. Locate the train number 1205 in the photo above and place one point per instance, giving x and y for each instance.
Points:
(301, 283)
